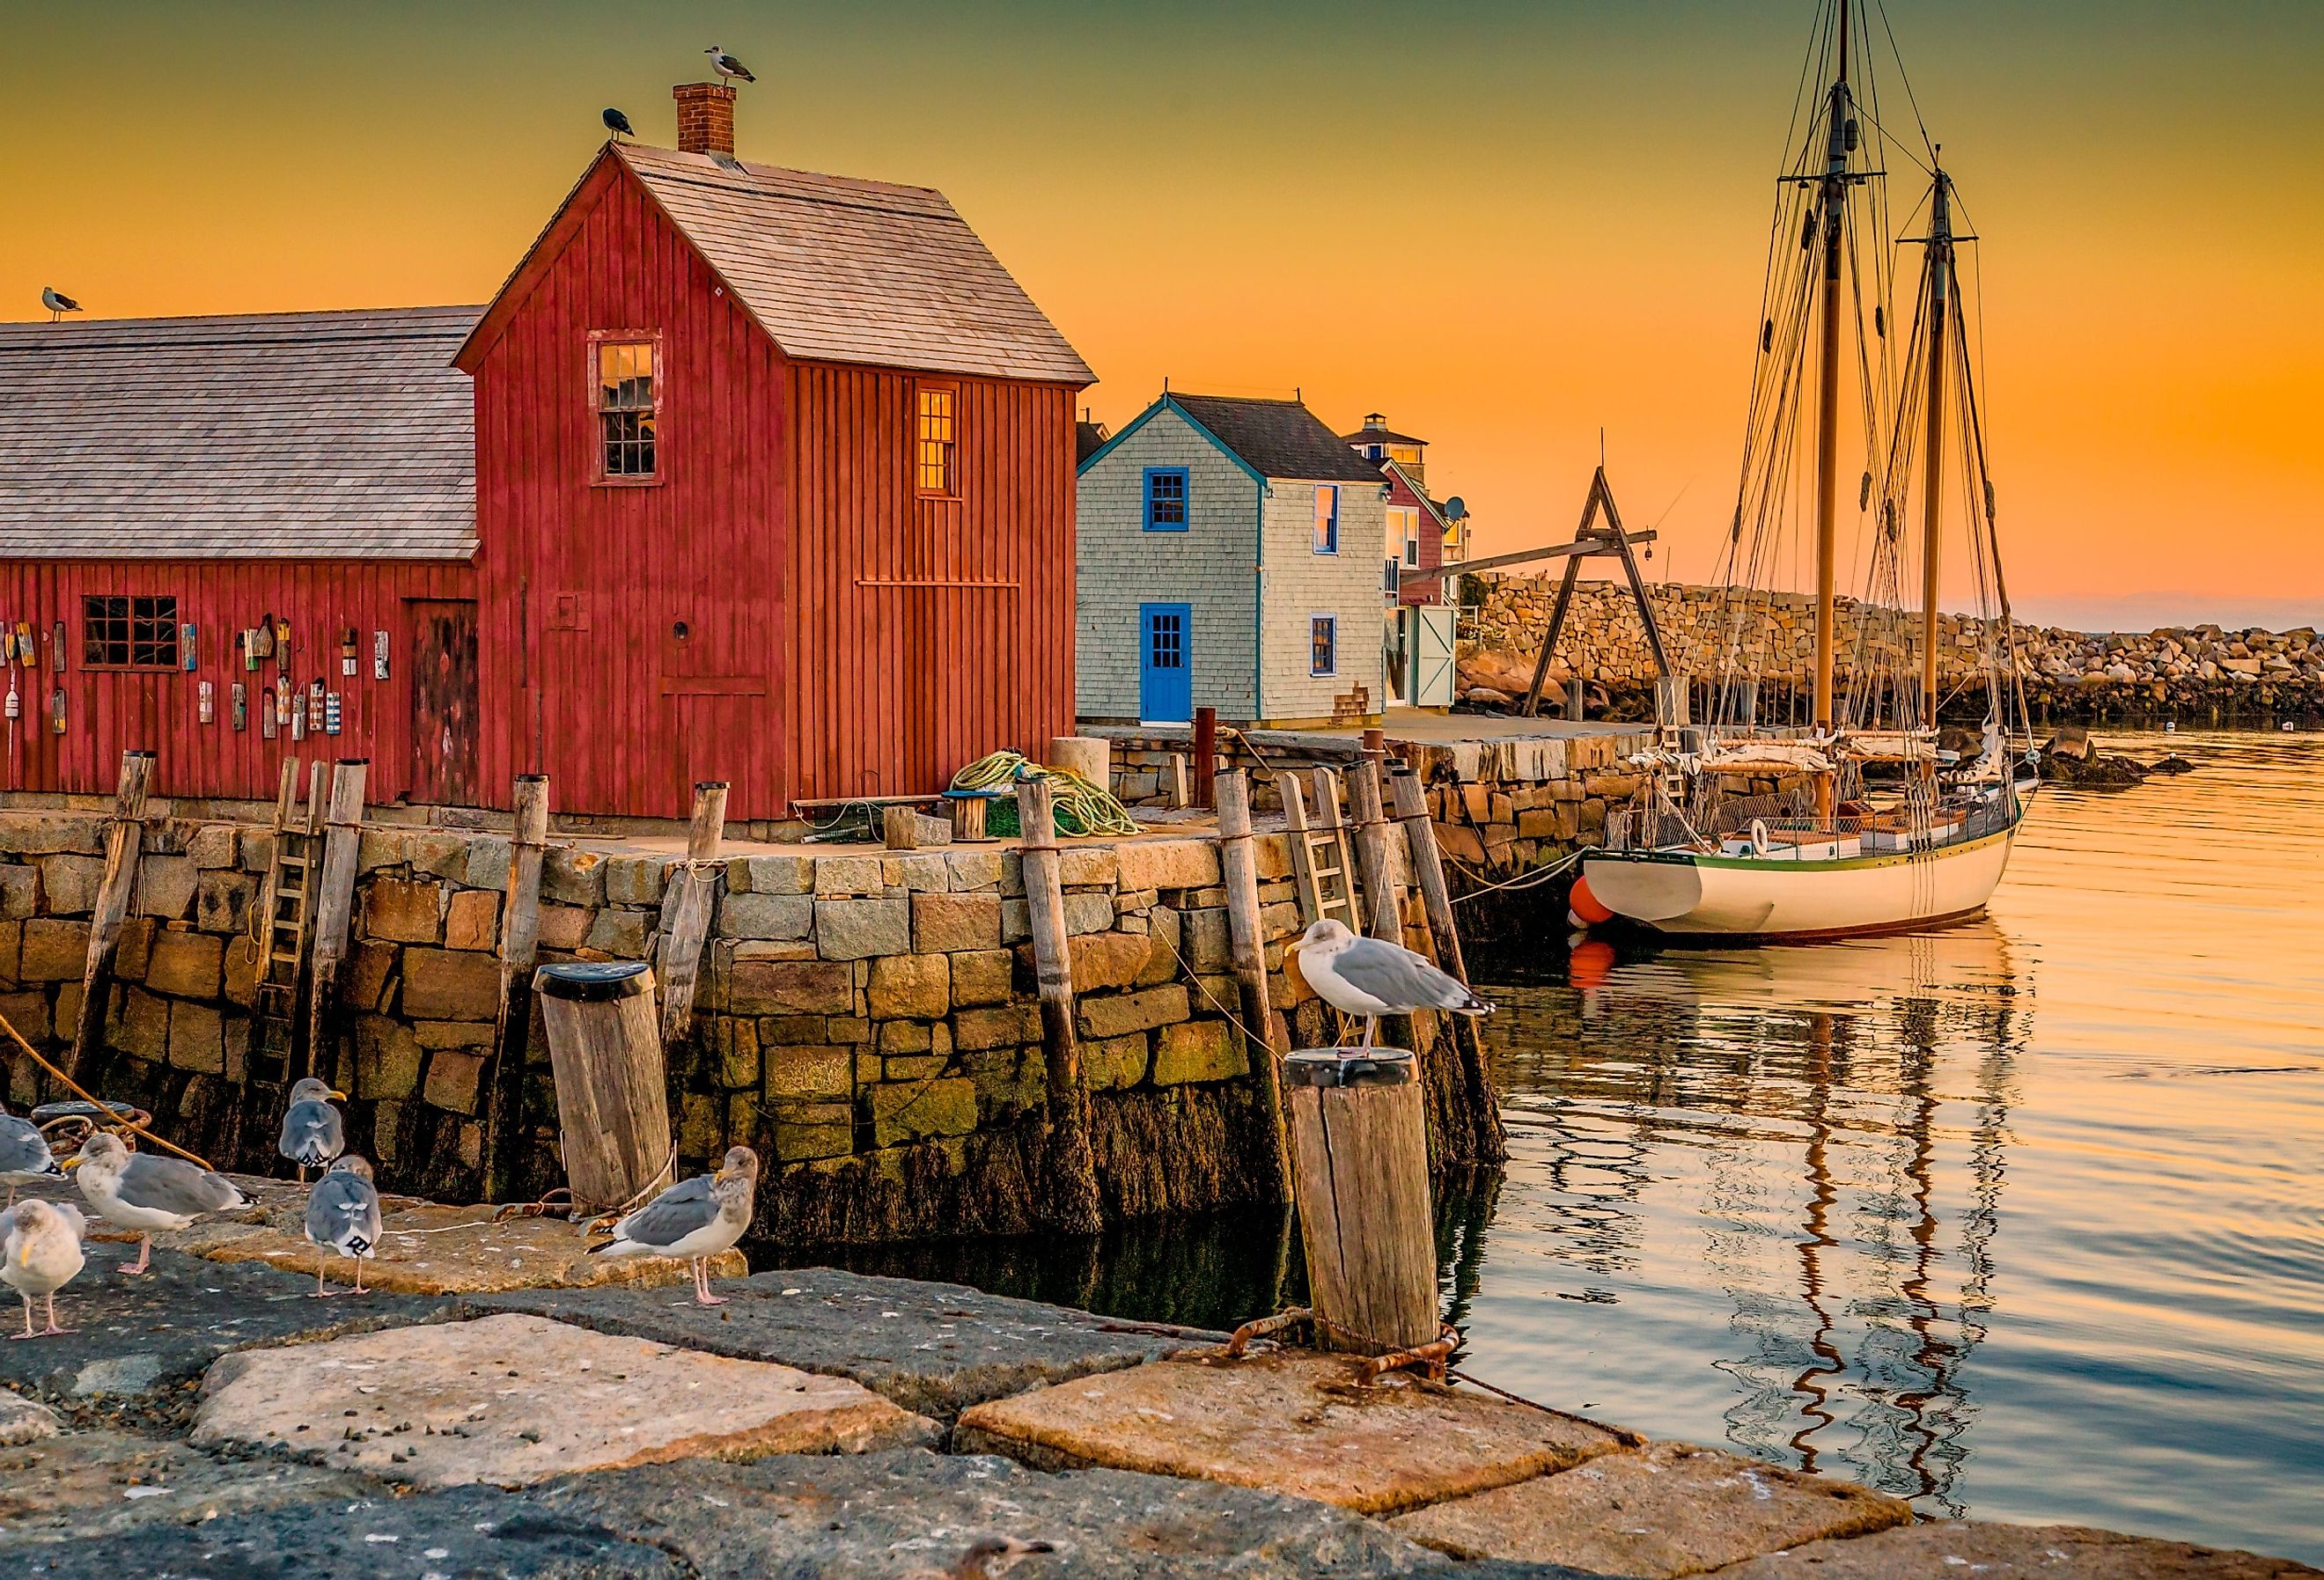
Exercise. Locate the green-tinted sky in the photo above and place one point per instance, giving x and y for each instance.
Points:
(1505, 224)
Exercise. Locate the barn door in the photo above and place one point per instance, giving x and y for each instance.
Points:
(442, 642)
(1432, 655)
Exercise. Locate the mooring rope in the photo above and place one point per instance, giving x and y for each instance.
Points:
(103, 1109)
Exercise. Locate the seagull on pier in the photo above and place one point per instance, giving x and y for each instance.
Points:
(695, 1219)
(1372, 977)
(312, 1133)
(40, 1254)
(56, 302)
(617, 122)
(727, 66)
(343, 1218)
(140, 1192)
(24, 1156)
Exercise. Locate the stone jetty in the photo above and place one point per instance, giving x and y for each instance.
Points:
(215, 1419)
(2197, 672)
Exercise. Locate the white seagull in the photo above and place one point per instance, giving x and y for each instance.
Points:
(24, 1156)
(1372, 977)
(138, 1191)
(727, 66)
(312, 1134)
(343, 1217)
(40, 1254)
(56, 302)
(695, 1219)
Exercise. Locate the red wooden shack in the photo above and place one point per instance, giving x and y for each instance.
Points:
(772, 483)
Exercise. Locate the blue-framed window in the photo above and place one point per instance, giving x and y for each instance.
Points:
(1327, 518)
(1322, 645)
(1167, 497)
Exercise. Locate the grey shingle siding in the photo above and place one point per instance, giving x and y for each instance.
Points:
(1209, 566)
(1301, 583)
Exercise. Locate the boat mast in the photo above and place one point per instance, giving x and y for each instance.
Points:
(1834, 201)
(1939, 254)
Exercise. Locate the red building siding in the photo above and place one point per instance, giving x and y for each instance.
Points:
(843, 635)
(1431, 543)
(109, 711)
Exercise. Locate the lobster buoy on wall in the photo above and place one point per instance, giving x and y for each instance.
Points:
(1583, 907)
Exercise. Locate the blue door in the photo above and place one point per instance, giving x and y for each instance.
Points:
(1165, 677)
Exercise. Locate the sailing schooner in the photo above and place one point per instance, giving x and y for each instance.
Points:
(1883, 822)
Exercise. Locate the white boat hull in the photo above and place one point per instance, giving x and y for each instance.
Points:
(1781, 896)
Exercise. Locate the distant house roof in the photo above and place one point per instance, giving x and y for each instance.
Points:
(1277, 438)
(840, 269)
(333, 435)
(1367, 434)
(1089, 437)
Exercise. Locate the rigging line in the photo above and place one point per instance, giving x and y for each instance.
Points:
(1902, 76)
(1898, 143)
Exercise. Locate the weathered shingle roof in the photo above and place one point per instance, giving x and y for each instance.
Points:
(839, 270)
(1279, 439)
(274, 435)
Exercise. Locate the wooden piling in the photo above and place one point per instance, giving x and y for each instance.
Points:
(1238, 868)
(613, 1103)
(1382, 913)
(1074, 1206)
(899, 828)
(688, 911)
(519, 943)
(1360, 1144)
(1488, 1142)
(334, 911)
(124, 842)
(1206, 751)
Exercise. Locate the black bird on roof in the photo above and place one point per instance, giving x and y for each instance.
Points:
(56, 302)
(617, 122)
(727, 66)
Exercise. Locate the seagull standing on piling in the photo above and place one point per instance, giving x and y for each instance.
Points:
(695, 1219)
(1372, 977)
(727, 66)
(40, 1254)
(343, 1217)
(24, 1156)
(312, 1133)
(140, 1192)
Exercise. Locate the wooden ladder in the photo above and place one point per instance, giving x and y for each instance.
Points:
(284, 908)
(1322, 863)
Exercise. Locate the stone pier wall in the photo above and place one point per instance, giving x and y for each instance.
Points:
(867, 1020)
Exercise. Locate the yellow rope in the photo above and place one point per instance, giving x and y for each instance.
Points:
(103, 1108)
(1083, 808)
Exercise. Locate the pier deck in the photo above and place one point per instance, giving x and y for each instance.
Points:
(199, 1422)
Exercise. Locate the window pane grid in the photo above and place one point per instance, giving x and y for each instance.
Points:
(1166, 500)
(1322, 645)
(936, 441)
(625, 407)
(130, 632)
(1327, 521)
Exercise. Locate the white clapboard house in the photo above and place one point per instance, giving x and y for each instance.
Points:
(1231, 556)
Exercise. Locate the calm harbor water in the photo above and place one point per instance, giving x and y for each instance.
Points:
(2023, 1219)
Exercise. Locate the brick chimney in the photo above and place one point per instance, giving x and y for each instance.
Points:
(706, 118)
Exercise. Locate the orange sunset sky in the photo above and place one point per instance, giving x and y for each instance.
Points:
(1506, 226)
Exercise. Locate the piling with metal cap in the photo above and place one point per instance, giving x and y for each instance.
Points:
(613, 1105)
(1360, 1152)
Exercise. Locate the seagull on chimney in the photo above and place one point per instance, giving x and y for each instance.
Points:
(727, 66)
(56, 302)
(617, 122)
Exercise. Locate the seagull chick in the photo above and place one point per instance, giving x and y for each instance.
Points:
(1372, 977)
(727, 66)
(40, 1243)
(138, 1191)
(56, 302)
(312, 1134)
(24, 1156)
(343, 1217)
(617, 122)
(695, 1219)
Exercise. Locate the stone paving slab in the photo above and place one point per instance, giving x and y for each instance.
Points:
(84, 1484)
(935, 1349)
(26, 1420)
(471, 1532)
(514, 1399)
(1968, 1549)
(1667, 1510)
(1289, 1422)
(140, 1342)
(914, 1512)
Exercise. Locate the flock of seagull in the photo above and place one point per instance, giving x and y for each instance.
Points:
(40, 1241)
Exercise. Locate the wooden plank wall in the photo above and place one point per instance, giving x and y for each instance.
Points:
(109, 711)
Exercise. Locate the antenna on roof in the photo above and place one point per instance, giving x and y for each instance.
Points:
(1166, 383)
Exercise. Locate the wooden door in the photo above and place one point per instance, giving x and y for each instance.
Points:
(1434, 669)
(442, 645)
(1165, 670)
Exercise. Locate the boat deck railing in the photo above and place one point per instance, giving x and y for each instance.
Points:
(1790, 834)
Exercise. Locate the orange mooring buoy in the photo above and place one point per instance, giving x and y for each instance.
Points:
(1585, 908)
(1591, 961)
